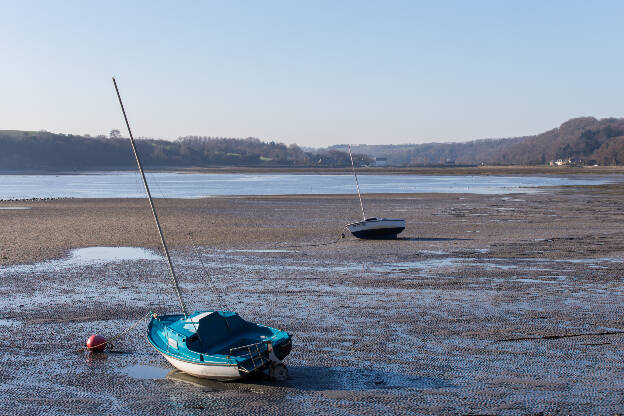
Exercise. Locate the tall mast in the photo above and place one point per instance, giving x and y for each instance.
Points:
(357, 185)
(151, 203)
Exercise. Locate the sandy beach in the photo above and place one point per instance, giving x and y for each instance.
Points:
(490, 304)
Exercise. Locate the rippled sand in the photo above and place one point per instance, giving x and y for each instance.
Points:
(428, 323)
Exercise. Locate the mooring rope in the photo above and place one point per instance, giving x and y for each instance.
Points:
(108, 342)
(548, 337)
(342, 236)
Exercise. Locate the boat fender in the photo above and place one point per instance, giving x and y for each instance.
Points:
(96, 343)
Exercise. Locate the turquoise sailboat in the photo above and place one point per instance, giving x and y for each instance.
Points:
(218, 345)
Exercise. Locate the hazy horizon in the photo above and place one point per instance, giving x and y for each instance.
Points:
(312, 74)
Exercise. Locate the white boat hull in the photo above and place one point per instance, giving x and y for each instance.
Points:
(211, 371)
(377, 228)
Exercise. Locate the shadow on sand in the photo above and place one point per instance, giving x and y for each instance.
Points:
(431, 239)
(320, 379)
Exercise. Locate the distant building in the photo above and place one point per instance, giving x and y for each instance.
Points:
(558, 162)
(571, 161)
(381, 161)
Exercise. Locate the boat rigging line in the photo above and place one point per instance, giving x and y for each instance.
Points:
(151, 203)
(357, 184)
(220, 297)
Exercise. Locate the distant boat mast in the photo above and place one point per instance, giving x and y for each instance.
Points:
(357, 184)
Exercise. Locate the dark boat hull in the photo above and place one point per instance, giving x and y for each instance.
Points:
(377, 228)
(379, 234)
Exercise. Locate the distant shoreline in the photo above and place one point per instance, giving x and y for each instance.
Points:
(446, 170)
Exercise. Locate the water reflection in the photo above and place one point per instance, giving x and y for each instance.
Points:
(145, 372)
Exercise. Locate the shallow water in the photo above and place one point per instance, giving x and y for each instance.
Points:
(83, 257)
(145, 371)
(90, 255)
(244, 260)
(174, 185)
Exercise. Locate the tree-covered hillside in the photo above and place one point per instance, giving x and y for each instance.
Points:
(587, 138)
(22, 150)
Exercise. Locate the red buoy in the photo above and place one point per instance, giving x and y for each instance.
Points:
(96, 343)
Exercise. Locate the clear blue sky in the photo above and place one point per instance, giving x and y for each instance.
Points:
(313, 73)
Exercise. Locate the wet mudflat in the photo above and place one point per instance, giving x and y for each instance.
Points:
(486, 304)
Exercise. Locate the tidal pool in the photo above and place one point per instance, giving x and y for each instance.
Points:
(83, 257)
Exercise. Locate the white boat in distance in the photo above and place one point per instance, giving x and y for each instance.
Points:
(377, 228)
(373, 228)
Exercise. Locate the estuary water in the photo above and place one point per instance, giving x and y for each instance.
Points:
(197, 185)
